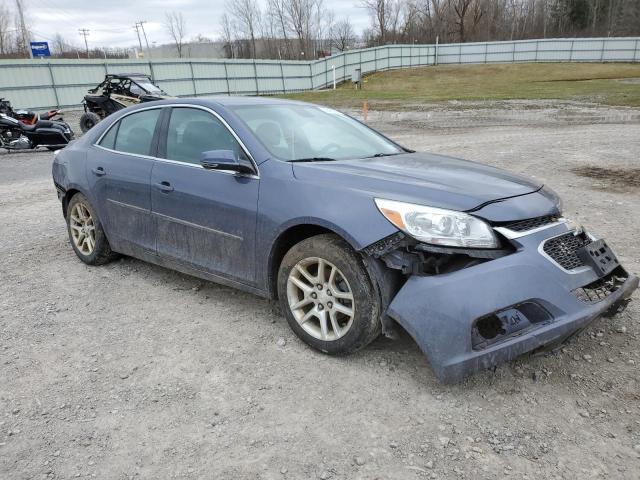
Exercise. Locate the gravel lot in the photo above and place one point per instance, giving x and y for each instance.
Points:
(133, 371)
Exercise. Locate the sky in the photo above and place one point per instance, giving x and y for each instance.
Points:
(111, 22)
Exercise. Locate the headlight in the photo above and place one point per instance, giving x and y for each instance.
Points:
(438, 226)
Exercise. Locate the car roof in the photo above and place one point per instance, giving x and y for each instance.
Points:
(224, 101)
(236, 100)
(217, 102)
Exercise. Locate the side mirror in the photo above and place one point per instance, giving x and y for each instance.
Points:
(222, 160)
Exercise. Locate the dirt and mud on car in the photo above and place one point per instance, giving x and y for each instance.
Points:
(118, 91)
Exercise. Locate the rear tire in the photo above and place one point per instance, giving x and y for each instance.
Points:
(327, 295)
(86, 233)
(88, 120)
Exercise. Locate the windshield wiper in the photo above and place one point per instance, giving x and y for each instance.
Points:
(314, 159)
(384, 155)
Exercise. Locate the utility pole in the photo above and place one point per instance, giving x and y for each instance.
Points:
(137, 29)
(85, 33)
(141, 23)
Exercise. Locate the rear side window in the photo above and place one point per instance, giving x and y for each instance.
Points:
(109, 140)
(135, 132)
(193, 131)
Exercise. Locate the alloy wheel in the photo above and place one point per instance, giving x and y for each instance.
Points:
(83, 231)
(320, 298)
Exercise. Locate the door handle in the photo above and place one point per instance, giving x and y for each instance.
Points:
(98, 171)
(164, 187)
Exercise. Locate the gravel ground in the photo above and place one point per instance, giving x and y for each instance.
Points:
(133, 371)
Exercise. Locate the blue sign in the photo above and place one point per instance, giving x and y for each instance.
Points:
(40, 49)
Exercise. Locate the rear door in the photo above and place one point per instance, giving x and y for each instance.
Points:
(206, 219)
(119, 170)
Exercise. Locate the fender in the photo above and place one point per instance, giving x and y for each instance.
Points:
(318, 222)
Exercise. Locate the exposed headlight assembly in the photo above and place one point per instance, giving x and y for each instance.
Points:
(437, 226)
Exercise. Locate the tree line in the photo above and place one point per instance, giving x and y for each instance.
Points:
(295, 29)
(409, 21)
(308, 29)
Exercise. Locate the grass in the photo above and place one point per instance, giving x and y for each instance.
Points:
(608, 83)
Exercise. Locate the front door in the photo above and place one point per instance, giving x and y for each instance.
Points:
(119, 171)
(205, 219)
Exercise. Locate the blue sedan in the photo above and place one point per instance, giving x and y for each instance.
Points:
(351, 232)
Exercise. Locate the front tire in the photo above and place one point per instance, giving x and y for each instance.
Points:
(86, 233)
(327, 295)
(88, 120)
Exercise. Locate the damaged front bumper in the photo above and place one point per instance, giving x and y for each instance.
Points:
(490, 313)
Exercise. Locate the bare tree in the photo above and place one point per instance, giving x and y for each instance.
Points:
(379, 12)
(5, 21)
(322, 23)
(342, 35)
(227, 36)
(247, 15)
(277, 11)
(463, 10)
(60, 45)
(177, 29)
(299, 14)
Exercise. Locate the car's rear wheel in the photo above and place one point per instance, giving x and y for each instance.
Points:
(86, 233)
(88, 120)
(327, 296)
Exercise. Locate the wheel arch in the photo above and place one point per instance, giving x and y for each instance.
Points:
(292, 235)
(68, 195)
(71, 191)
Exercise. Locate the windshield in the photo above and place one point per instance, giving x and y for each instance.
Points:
(147, 86)
(307, 132)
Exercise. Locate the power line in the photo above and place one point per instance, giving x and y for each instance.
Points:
(56, 11)
(38, 34)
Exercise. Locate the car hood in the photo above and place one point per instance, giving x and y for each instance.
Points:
(422, 178)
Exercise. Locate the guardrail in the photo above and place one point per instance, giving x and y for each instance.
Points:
(41, 84)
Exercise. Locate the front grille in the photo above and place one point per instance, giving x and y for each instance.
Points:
(563, 249)
(601, 288)
(530, 223)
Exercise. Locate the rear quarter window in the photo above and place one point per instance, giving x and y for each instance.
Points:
(109, 140)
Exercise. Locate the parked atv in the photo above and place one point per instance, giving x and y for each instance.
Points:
(116, 92)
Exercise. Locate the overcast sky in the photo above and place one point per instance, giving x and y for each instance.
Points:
(111, 22)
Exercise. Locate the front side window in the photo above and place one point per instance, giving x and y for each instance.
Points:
(193, 131)
(297, 132)
(135, 133)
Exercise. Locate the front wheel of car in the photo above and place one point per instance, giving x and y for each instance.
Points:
(327, 295)
(86, 233)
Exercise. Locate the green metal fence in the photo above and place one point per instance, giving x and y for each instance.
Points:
(41, 84)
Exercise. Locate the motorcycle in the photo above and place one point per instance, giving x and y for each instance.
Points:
(31, 118)
(15, 135)
(28, 117)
